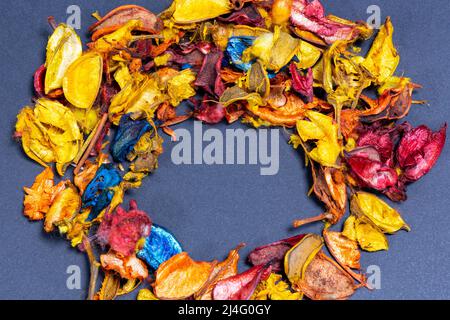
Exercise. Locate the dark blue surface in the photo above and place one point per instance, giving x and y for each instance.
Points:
(211, 209)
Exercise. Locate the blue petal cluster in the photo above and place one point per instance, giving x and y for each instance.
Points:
(159, 247)
(128, 134)
(236, 47)
(98, 194)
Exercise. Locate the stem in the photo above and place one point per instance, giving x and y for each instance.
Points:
(92, 144)
(323, 216)
(94, 269)
(52, 22)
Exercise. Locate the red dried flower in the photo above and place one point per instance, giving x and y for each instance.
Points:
(122, 230)
(419, 150)
(367, 167)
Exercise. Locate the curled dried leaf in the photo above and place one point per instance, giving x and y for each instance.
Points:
(181, 277)
(298, 258)
(273, 253)
(65, 207)
(377, 211)
(63, 48)
(223, 270)
(241, 286)
(324, 279)
(121, 15)
(40, 196)
(128, 268)
(82, 80)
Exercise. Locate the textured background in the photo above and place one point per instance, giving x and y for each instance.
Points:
(212, 209)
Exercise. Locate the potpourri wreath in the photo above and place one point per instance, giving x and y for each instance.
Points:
(280, 63)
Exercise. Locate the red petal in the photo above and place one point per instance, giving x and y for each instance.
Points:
(39, 80)
(241, 286)
(122, 230)
(367, 167)
(273, 253)
(419, 150)
(303, 84)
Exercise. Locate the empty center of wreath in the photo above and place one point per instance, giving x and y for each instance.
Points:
(215, 204)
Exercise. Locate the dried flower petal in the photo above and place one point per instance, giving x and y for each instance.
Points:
(419, 151)
(241, 286)
(159, 247)
(122, 230)
(181, 277)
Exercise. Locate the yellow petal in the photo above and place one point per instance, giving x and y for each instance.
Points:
(369, 237)
(65, 207)
(378, 211)
(63, 48)
(83, 79)
(189, 11)
(180, 87)
(324, 132)
(382, 59)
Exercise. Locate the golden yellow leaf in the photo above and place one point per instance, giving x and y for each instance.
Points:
(190, 11)
(65, 207)
(146, 295)
(324, 132)
(181, 277)
(369, 237)
(63, 48)
(82, 81)
(382, 59)
(40, 196)
(377, 211)
(180, 88)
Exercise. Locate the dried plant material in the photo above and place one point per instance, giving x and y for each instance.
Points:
(300, 255)
(419, 150)
(321, 129)
(241, 286)
(41, 195)
(122, 230)
(310, 16)
(146, 295)
(181, 277)
(65, 207)
(82, 80)
(128, 268)
(121, 15)
(377, 211)
(325, 280)
(283, 64)
(160, 246)
(382, 59)
(223, 270)
(273, 253)
(330, 188)
(49, 133)
(110, 287)
(190, 11)
(63, 48)
(343, 249)
(274, 288)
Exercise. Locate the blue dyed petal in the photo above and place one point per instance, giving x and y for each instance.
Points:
(97, 192)
(236, 46)
(103, 201)
(159, 247)
(128, 134)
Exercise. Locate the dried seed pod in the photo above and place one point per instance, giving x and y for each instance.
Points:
(81, 83)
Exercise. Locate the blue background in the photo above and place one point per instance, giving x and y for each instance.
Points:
(213, 208)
